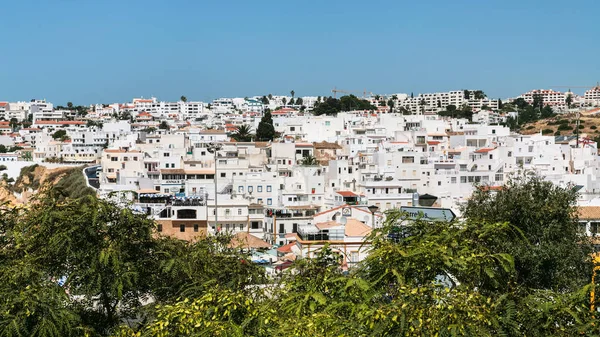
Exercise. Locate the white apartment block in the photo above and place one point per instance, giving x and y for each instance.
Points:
(439, 101)
(592, 96)
(549, 97)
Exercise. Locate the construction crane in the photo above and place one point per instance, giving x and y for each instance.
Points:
(336, 90)
(575, 86)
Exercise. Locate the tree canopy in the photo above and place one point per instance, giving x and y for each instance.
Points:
(514, 265)
(243, 133)
(331, 106)
(265, 130)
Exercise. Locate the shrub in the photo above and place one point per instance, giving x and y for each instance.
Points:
(557, 133)
(564, 127)
(547, 131)
(593, 127)
(2, 167)
(530, 127)
(581, 127)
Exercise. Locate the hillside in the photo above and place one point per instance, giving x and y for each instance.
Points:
(70, 180)
(564, 125)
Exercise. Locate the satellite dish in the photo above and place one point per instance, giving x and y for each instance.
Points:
(343, 220)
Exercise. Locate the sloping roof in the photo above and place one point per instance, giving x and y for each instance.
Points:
(356, 228)
(348, 194)
(589, 212)
(485, 150)
(247, 240)
(352, 227)
(327, 145)
(286, 248)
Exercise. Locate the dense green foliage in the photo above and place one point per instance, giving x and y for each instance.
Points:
(331, 106)
(265, 130)
(487, 275)
(243, 133)
(555, 257)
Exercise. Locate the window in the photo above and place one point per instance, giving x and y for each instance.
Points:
(239, 211)
(269, 201)
(159, 228)
(166, 154)
(255, 225)
(268, 188)
(292, 128)
(182, 228)
(223, 175)
(281, 227)
(240, 189)
(453, 180)
(594, 228)
(463, 180)
(250, 189)
(295, 228)
(195, 227)
(259, 188)
(114, 158)
(259, 200)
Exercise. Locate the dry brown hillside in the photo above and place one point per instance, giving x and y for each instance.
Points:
(564, 125)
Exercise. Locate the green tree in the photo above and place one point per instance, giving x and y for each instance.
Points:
(183, 99)
(70, 105)
(265, 130)
(466, 94)
(555, 255)
(547, 112)
(284, 100)
(164, 125)
(243, 133)
(13, 123)
(270, 97)
(479, 95)
(59, 134)
(309, 161)
(264, 100)
(292, 93)
(391, 104)
(299, 101)
(569, 100)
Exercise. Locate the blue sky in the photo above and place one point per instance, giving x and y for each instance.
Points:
(88, 51)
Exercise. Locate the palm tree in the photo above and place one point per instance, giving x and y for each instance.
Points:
(377, 97)
(309, 161)
(292, 93)
(27, 156)
(243, 133)
(284, 100)
(183, 99)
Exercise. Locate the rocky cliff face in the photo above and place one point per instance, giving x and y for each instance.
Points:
(32, 178)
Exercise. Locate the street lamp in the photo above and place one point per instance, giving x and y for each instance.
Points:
(214, 149)
(373, 209)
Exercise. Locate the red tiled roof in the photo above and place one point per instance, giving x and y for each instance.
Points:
(347, 193)
(485, 150)
(286, 248)
(3, 103)
(433, 142)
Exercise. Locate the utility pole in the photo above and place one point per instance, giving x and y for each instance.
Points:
(214, 148)
(577, 129)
